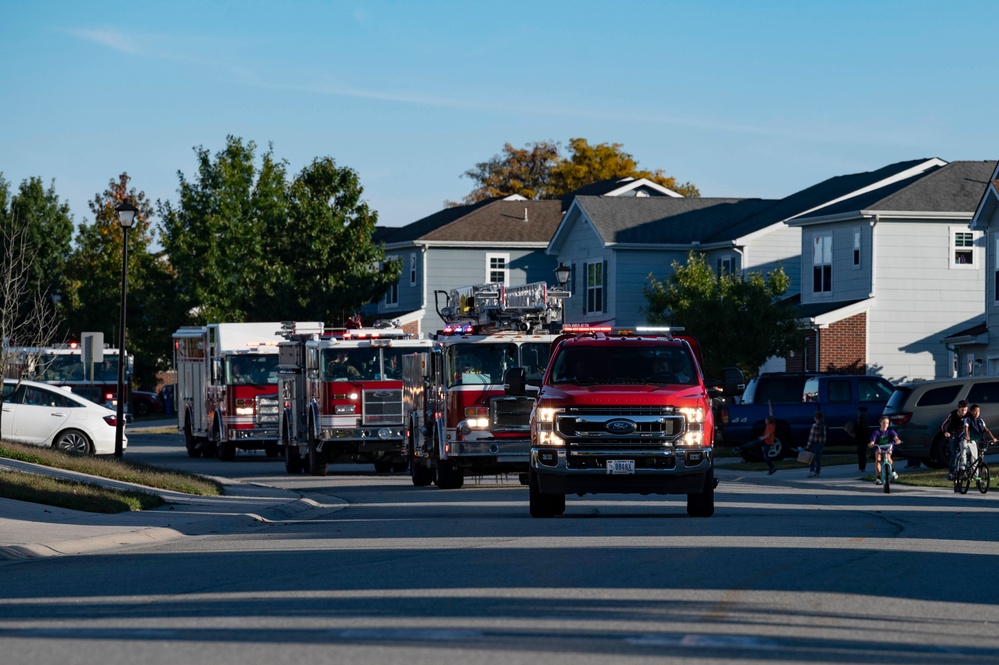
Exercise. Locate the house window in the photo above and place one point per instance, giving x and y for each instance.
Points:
(595, 287)
(726, 266)
(412, 269)
(856, 248)
(963, 249)
(392, 295)
(996, 273)
(822, 264)
(496, 268)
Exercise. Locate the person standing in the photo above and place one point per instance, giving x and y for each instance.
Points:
(816, 442)
(861, 437)
(953, 430)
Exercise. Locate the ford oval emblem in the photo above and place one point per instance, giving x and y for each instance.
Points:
(382, 394)
(620, 426)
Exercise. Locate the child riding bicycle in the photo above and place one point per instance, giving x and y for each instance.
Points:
(883, 440)
(975, 434)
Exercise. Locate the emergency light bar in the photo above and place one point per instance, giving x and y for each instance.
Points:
(580, 328)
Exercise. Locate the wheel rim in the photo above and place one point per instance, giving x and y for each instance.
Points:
(73, 442)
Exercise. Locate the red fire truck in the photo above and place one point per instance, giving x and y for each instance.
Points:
(341, 397)
(227, 376)
(621, 412)
(62, 365)
(460, 421)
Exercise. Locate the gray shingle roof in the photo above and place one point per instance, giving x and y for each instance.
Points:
(954, 187)
(495, 220)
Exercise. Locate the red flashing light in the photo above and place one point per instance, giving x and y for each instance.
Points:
(74, 345)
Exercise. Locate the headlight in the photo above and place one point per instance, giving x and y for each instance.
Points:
(477, 423)
(694, 414)
(693, 438)
(550, 439)
(244, 410)
(546, 415)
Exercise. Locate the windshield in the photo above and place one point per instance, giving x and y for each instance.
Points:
(624, 364)
(68, 367)
(254, 369)
(479, 363)
(364, 364)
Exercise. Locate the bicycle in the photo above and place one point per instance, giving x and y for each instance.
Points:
(887, 468)
(972, 469)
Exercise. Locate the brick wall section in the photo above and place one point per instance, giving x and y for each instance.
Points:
(843, 346)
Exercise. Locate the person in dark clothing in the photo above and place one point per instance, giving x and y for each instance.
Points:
(953, 430)
(861, 437)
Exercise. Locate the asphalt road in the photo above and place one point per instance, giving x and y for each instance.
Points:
(788, 570)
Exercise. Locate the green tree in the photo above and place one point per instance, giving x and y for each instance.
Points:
(47, 229)
(218, 237)
(541, 171)
(93, 295)
(325, 265)
(739, 320)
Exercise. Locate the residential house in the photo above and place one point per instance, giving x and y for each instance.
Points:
(498, 240)
(977, 348)
(887, 274)
(613, 245)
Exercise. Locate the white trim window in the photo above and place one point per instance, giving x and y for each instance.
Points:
(995, 278)
(856, 248)
(595, 287)
(725, 265)
(962, 248)
(497, 269)
(412, 269)
(822, 263)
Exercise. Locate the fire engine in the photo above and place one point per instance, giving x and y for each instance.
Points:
(621, 412)
(460, 421)
(341, 397)
(227, 376)
(62, 365)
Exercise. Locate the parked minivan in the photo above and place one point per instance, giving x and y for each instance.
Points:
(917, 410)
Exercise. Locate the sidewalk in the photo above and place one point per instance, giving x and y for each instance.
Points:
(29, 530)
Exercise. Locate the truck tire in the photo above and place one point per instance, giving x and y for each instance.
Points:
(449, 475)
(293, 463)
(703, 503)
(400, 466)
(383, 466)
(543, 505)
(189, 441)
(226, 449)
(422, 476)
(318, 464)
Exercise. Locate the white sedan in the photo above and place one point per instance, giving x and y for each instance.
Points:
(45, 415)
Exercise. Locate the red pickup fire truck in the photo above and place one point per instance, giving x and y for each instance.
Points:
(621, 412)
(460, 422)
(341, 397)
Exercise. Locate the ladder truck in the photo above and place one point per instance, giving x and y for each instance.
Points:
(461, 422)
(341, 397)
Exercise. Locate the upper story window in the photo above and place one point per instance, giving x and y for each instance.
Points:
(595, 287)
(995, 288)
(962, 248)
(392, 294)
(497, 268)
(822, 263)
(856, 248)
(412, 269)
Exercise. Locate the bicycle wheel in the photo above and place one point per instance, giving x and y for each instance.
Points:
(964, 480)
(984, 476)
(886, 470)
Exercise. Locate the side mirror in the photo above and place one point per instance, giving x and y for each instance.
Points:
(733, 381)
(515, 382)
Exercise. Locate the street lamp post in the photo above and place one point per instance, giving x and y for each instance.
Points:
(126, 216)
(562, 277)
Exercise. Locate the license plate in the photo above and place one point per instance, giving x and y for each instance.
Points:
(615, 466)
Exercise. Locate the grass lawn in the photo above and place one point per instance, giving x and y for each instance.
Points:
(91, 497)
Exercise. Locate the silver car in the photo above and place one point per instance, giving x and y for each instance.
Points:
(45, 415)
(917, 411)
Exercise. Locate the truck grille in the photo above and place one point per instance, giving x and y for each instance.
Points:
(382, 407)
(634, 428)
(267, 410)
(510, 414)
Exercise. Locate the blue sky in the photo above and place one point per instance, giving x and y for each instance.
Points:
(742, 98)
